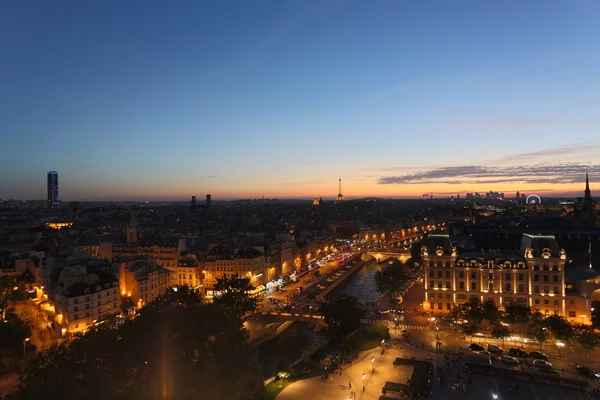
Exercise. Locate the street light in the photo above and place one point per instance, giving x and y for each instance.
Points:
(494, 396)
(24, 346)
(363, 380)
(560, 345)
(373, 364)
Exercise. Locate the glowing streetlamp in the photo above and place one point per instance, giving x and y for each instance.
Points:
(560, 345)
(373, 364)
(25, 346)
(363, 380)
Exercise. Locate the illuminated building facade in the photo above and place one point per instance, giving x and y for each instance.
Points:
(535, 276)
(83, 295)
(224, 261)
(188, 272)
(52, 189)
(142, 280)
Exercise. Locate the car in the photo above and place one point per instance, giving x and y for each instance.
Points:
(516, 352)
(487, 353)
(476, 347)
(508, 360)
(494, 349)
(404, 331)
(584, 371)
(542, 363)
(538, 355)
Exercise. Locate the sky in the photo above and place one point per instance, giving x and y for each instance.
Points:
(157, 100)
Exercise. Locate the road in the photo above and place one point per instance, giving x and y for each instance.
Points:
(481, 387)
(424, 332)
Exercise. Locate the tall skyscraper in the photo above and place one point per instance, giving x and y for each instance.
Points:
(194, 205)
(208, 201)
(52, 189)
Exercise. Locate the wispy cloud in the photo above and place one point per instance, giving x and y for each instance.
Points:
(473, 174)
(577, 149)
(209, 177)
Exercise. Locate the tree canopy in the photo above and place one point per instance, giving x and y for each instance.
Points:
(342, 315)
(233, 294)
(560, 328)
(518, 315)
(176, 348)
(586, 337)
(391, 278)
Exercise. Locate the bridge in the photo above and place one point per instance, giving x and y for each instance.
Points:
(385, 254)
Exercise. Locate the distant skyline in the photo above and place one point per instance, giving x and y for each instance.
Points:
(142, 100)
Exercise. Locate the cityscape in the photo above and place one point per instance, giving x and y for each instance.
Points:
(276, 200)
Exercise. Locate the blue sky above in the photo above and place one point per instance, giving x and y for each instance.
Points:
(157, 100)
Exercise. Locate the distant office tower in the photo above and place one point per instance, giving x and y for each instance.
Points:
(316, 201)
(52, 189)
(208, 201)
(193, 206)
(340, 196)
(518, 196)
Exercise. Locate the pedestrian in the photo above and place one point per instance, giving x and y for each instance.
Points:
(349, 384)
(331, 379)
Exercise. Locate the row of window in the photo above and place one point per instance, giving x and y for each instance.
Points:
(507, 287)
(98, 295)
(460, 264)
(507, 276)
(183, 276)
(87, 313)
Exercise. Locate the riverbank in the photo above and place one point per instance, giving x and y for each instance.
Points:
(358, 264)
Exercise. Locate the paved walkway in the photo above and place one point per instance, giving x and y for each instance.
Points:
(338, 388)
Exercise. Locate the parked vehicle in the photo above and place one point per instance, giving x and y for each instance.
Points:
(476, 347)
(584, 371)
(516, 352)
(494, 349)
(538, 355)
(542, 363)
(508, 360)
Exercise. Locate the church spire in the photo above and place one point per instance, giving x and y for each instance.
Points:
(587, 199)
(132, 234)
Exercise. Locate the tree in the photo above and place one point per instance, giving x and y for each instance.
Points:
(518, 315)
(500, 331)
(537, 328)
(391, 278)
(586, 337)
(173, 349)
(342, 315)
(471, 315)
(491, 312)
(596, 314)
(233, 293)
(181, 295)
(468, 328)
(560, 328)
(471, 311)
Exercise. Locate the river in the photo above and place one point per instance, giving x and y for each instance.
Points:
(286, 348)
(362, 283)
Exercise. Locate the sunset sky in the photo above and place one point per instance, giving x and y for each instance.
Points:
(148, 100)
